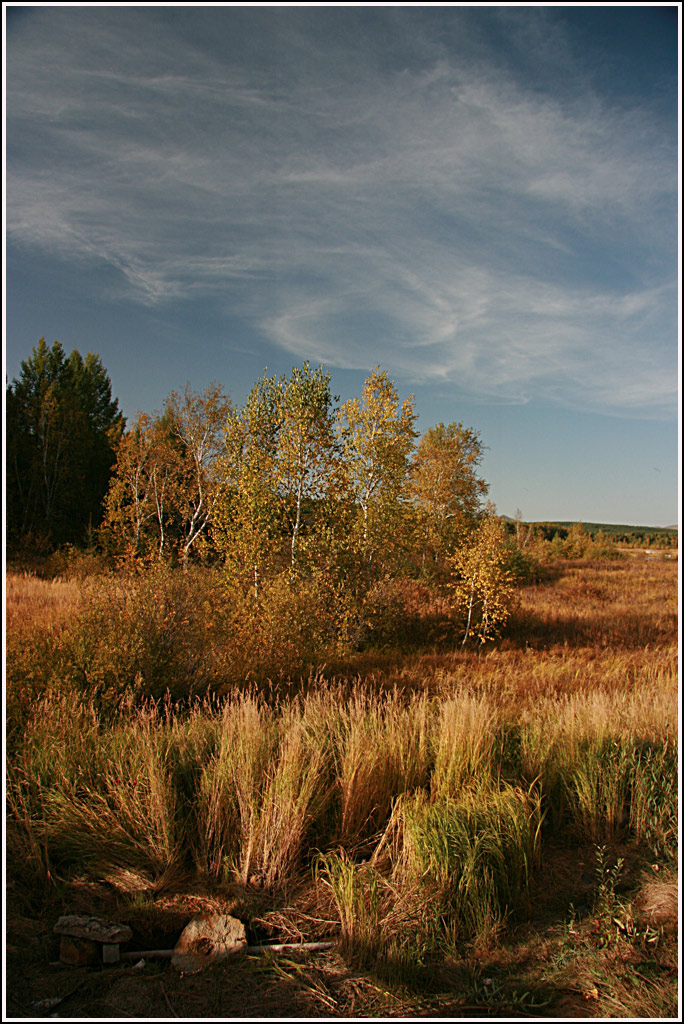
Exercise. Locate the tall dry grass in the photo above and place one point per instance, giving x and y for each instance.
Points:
(31, 601)
(421, 795)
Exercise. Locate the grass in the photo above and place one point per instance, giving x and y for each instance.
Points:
(426, 808)
(30, 599)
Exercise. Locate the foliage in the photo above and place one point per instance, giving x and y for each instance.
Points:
(597, 789)
(284, 475)
(197, 422)
(419, 805)
(246, 524)
(135, 637)
(574, 541)
(629, 536)
(445, 489)
(482, 583)
(377, 438)
(62, 430)
(171, 472)
(141, 497)
(478, 849)
(306, 451)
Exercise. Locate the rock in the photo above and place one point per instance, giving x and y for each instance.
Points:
(207, 938)
(84, 937)
(93, 928)
(78, 952)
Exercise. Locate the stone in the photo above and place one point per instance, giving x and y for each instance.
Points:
(207, 938)
(83, 938)
(93, 928)
(111, 953)
(78, 952)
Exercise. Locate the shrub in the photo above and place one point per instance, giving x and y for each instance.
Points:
(482, 583)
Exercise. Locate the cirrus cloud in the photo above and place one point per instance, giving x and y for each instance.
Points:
(424, 207)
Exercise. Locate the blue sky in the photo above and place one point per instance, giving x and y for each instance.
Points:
(481, 200)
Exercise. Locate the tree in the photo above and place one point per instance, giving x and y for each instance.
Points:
(197, 422)
(377, 437)
(305, 452)
(140, 501)
(282, 450)
(577, 543)
(444, 486)
(128, 503)
(522, 537)
(482, 583)
(246, 529)
(103, 428)
(63, 427)
(165, 474)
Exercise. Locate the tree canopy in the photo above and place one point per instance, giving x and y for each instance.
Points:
(63, 429)
(287, 488)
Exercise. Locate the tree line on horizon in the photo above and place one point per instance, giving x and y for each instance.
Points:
(286, 477)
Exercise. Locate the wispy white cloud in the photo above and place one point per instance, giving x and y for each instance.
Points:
(432, 215)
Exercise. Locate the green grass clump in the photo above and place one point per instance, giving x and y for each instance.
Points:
(478, 851)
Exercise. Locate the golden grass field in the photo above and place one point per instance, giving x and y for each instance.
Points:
(483, 832)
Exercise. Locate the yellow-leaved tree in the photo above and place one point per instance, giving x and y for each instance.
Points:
(377, 437)
(482, 584)
(143, 492)
(197, 423)
(283, 472)
(445, 489)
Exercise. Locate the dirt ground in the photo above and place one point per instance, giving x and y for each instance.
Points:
(549, 967)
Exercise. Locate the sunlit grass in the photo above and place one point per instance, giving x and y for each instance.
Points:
(30, 600)
(415, 795)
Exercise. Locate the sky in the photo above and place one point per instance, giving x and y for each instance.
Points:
(482, 201)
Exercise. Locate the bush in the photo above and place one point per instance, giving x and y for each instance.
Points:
(130, 637)
(72, 563)
(290, 628)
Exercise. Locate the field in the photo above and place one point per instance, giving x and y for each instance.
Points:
(481, 832)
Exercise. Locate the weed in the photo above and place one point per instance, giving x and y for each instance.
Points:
(608, 876)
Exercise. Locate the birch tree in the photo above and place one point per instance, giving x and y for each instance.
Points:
(305, 454)
(282, 450)
(377, 436)
(197, 421)
(482, 583)
(246, 529)
(139, 505)
(128, 503)
(445, 487)
(165, 466)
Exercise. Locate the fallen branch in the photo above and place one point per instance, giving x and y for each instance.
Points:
(148, 954)
(276, 947)
(280, 947)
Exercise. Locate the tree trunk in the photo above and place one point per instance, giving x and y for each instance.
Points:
(470, 611)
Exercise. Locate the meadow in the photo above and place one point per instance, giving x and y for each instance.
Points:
(483, 831)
